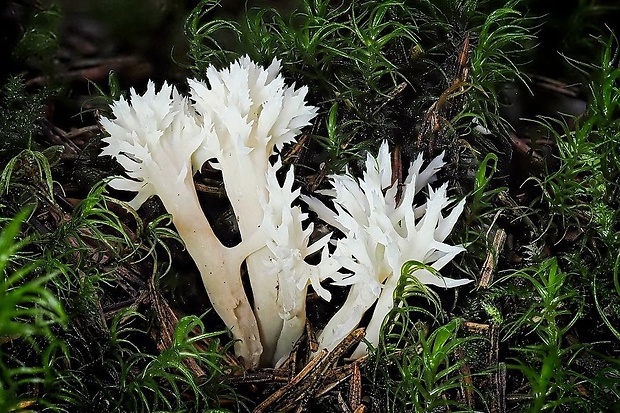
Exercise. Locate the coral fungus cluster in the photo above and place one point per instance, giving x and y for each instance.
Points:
(237, 122)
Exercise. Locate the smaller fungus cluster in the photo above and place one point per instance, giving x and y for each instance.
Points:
(237, 122)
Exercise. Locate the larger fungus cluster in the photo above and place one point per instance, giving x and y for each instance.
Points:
(237, 122)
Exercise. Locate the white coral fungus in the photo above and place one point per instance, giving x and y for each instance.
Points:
(249, 113)
(236, 122)
(154, 140)
(380, 236)
(289, 245)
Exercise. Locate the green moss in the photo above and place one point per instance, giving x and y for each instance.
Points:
(21, 113)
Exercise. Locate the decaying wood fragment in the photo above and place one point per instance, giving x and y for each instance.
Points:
(307, 383)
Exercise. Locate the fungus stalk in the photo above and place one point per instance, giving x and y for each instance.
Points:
(154, 139)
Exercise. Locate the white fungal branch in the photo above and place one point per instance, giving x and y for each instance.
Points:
(154, 140)
(289, 245)
(251, 113)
